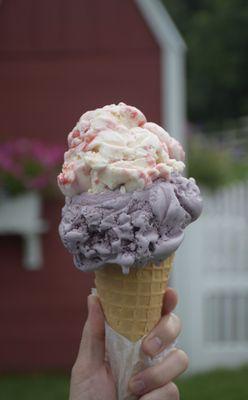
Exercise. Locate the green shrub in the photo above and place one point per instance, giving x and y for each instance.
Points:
(214, 167)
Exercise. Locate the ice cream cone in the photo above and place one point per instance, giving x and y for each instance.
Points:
(132, 303)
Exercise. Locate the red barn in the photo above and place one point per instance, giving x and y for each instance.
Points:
(59, 59)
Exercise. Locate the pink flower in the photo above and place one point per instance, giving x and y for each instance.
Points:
(30, 162)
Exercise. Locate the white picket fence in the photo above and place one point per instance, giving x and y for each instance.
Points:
(211, 276)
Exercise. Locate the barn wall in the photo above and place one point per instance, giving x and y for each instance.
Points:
(57, 60)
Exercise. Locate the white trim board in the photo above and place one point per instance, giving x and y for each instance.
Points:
(161, 24)
(173, 50)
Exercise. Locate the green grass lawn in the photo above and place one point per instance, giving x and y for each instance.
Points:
(217, 385)
(34, 387)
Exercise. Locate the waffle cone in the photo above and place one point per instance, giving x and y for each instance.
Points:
(132, 303)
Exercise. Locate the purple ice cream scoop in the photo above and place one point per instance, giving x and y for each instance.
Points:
(129, 229)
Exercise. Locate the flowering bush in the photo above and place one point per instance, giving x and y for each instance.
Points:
(28, 164)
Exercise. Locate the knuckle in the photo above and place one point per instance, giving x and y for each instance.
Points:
(75, 371)
(79, 367)
(172, 391)
(176, 322)
(183, 359)
(80, 370)
(155, 378)
(171, 328)
(146, 397)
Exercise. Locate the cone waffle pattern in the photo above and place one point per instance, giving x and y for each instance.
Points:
(132, 303)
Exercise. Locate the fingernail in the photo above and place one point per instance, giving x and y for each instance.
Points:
(154, 344)
(137, 386)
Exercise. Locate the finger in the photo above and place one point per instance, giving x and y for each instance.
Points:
(92, 346)
(164, 334)
(170, 301)
(160, 374)
(167, 392)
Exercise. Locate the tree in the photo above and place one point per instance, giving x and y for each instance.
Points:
(217, 38)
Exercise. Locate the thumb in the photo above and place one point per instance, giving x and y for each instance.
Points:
(92, 346)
